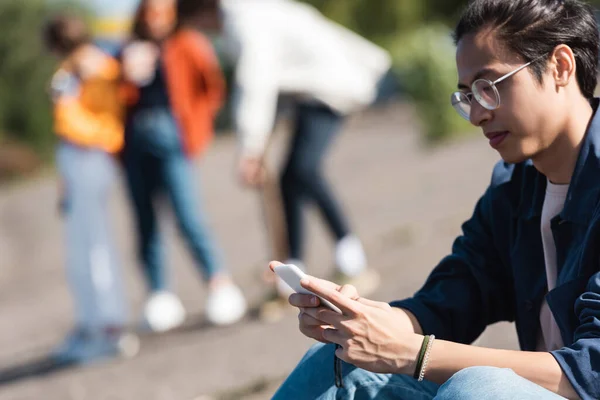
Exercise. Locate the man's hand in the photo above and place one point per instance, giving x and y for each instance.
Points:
(371, 334)
(251, 171)
(309, 326)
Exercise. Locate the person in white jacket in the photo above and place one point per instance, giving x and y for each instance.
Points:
(284, 48)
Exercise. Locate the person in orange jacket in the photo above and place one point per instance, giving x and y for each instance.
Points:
(88, 112)
(175, 91)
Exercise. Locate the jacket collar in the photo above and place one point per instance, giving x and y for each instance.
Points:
(584, 189)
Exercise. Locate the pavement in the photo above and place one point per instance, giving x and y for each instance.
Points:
(406, 202)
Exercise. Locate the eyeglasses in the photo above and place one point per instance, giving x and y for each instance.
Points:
(484, 91)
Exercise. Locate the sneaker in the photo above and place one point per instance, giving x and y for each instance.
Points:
(85, 347)
(365, 282)
(163, 312)
(69, 348)
(350, 256)
(225, 304)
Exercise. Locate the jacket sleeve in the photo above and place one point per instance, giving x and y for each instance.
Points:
(581, 360)
(257, 89)
(205, 60)
(76, 122)
(470, 288)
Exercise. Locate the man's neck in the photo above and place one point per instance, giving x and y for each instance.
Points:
(558, 161)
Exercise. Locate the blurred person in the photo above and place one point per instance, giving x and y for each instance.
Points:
(284, 49)
(527, 71)
(179, 89)
(88, 120)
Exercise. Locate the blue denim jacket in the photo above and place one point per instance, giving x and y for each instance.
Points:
(496, 271)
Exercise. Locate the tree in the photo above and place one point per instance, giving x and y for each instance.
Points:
(25, 70)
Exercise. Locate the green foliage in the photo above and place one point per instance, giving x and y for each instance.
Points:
(25, 71)
(417, 34)
(424, 59)
(380, 19)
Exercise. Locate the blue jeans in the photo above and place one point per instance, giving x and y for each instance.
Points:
(313, 378)
(303, 180)
(92, 268)
(155, 164)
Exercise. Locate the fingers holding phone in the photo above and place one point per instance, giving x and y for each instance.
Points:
(310, 300)
(311, 327)
(310, 305)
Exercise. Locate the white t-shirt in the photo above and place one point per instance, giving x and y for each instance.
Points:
(554, 202)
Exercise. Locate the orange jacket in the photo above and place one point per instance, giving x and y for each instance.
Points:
(196, 87)
(89, 112)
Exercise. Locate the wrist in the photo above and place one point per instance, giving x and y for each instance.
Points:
(410, 319)
(414, 345)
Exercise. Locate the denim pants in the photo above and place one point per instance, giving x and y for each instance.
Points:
(302, 179)
(315, 128)
(155, 164)
(93, 272)
(313, 379)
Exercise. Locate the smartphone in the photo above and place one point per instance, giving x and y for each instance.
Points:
(292, 275)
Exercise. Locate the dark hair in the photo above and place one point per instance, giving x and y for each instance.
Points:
(140, 26)
(65, 33)
(187, 8)
(533, 28)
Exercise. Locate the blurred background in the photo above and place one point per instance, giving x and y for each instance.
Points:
(415, 32)
(410, 173)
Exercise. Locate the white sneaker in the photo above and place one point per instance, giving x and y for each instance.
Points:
(350, 257)
(225, 304)
(163, 312)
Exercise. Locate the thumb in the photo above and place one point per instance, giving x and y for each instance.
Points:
(274, 264)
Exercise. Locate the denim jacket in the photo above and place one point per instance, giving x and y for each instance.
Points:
(496, 271)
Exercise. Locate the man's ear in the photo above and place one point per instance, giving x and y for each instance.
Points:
(563, 65)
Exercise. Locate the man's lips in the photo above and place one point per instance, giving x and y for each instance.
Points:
(496, 138)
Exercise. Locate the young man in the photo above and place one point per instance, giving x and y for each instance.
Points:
(529, 254)
(287, 49)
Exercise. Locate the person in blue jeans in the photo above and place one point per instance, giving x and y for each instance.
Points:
(87, 115)
(529, 253)
(157, 160)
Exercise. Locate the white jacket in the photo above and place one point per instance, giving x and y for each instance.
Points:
(287, 47)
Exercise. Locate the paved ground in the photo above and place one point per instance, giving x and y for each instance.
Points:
(406, 202)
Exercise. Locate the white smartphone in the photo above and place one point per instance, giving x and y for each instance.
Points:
(292, 275)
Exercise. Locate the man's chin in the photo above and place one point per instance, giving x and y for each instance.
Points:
(513, 157)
